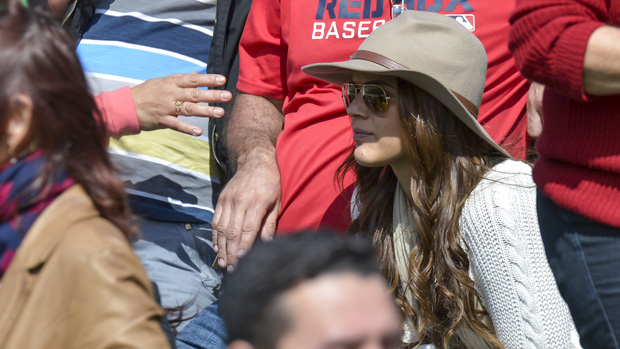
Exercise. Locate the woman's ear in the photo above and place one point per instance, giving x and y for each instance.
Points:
(19, 121)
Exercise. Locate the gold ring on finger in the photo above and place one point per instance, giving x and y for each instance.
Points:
(178, 105)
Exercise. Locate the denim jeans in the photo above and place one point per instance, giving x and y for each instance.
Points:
(585, 258)
(205, 331)
(178, 257)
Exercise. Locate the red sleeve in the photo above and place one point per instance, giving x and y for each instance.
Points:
(118, 112)
(549, 37)
(262, 52)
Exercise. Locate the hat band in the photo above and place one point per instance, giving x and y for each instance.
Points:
(391, 64)
(377, 58)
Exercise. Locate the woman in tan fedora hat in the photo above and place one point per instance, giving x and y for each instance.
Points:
(452, 215)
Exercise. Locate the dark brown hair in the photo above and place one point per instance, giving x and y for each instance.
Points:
(38, 60)
(447, 161)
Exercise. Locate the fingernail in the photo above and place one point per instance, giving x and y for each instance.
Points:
(225, 95)
(222, 262)
(197, 132)
(218, 111)
(240, 253)
(269, 238)
(230, 269)
(216, 248)
(220, 79)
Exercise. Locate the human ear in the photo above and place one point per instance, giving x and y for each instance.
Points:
(19, 121)
(240, 344)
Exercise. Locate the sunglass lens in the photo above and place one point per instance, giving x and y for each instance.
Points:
(348, 94)
(397, 10)
(375, 99)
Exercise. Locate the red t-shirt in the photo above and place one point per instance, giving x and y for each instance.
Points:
(280, 37)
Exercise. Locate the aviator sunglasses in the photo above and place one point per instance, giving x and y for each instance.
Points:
(374, 97)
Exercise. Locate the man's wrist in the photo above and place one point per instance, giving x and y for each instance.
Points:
(255, 158)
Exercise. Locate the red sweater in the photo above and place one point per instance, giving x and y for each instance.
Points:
(579, 164)
(118, 112)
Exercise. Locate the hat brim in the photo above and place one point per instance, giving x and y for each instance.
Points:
(338, 73)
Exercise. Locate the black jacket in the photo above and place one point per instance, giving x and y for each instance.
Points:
(224, 59)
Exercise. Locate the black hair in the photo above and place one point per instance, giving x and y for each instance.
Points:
(250, 294)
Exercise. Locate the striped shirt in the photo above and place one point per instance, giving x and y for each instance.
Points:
(169, 176)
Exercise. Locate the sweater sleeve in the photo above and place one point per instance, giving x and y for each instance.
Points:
(118, 112)
(549, 37)
(509, 267)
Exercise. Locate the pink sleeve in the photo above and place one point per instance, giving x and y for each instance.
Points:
(118, 112)
(549, 38)
(262, 52)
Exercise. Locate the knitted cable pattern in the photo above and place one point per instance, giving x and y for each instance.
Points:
(508, 263)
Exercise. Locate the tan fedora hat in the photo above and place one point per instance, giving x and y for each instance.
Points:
(430, 50)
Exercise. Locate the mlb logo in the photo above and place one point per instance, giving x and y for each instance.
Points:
(468, 21)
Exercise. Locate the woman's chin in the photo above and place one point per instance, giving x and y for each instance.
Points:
(363, 159)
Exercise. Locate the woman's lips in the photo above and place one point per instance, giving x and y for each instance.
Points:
(359, 134)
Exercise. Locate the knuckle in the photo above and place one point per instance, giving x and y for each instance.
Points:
(188, 108)
(175, 80)
(195, 95)
(270, 227)
(248, 228)
(176, 124)
(193, 77)
(215, 226)
(232, 234)
(239, 200)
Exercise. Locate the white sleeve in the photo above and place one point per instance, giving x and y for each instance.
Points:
(510, 269)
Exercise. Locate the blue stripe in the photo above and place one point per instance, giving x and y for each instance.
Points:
(162, 35)
(159, 210)
(131, 63)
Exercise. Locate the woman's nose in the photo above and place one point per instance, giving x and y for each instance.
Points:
(357, 107)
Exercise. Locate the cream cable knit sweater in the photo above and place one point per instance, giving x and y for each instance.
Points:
(507, 261)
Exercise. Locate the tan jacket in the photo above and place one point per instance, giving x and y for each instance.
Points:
(75, 283)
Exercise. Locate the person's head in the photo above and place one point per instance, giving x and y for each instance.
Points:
(413, 89)
(45, 104)
(420, 75)
(310, 291)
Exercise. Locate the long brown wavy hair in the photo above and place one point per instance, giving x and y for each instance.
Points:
(447, 161)
(37, 59)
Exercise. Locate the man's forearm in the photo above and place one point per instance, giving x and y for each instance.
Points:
(253, 129)
(601, 74)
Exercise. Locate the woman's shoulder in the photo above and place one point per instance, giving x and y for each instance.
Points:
(508, 176)
(84, 241)
(81, 224)
(511, 170)
(506, 193)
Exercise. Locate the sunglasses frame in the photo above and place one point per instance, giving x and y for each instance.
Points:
(360, 88)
